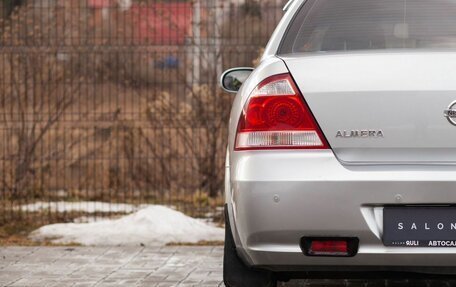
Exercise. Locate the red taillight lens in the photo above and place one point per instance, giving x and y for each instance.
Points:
(276, 116)
(336, 248)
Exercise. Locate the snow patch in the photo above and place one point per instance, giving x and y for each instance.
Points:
(82, 206)
(152, 226)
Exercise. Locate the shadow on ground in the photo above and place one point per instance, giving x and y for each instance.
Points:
(371, 283)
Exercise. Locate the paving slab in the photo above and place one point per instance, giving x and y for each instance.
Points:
(140, 266)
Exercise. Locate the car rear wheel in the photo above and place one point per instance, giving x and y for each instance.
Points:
(235, 272)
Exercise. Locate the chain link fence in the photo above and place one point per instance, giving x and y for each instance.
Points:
(115, 103)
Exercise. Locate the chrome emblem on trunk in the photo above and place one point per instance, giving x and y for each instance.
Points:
(360, 134)
(450, 113)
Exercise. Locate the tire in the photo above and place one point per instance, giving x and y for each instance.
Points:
(235, 272)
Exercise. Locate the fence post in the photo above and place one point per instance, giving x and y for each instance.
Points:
(218, 36)
(196, 41)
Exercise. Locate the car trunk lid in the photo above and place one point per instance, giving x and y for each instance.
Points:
(381, 107)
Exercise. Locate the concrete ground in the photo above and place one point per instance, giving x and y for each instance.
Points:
(128, 266)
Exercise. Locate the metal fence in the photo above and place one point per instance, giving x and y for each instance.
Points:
(117, 101)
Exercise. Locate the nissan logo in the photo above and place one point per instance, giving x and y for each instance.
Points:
(450, 113)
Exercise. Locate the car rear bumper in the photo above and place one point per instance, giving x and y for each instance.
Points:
(279, 197)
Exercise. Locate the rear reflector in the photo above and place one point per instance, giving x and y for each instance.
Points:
(336, 247)
(276, 117)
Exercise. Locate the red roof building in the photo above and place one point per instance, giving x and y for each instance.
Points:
(99, 3)
(156, 23)
(163, 23)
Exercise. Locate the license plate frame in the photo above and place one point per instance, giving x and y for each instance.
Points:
(419, 226)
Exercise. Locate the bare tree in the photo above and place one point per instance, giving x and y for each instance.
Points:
(187, 153)
(35, 93)
(31, 106)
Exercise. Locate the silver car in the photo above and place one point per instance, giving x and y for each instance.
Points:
(342, 146)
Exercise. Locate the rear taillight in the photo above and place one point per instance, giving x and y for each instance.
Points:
(276, 117)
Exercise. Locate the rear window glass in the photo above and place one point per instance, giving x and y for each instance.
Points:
(348, 25)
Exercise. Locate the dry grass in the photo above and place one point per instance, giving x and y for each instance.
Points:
(201, 243)
(17, 233)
